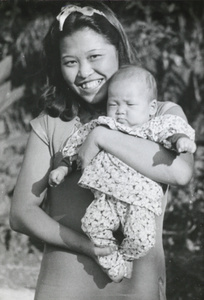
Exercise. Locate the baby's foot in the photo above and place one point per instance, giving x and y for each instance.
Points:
(115, 268)
(118, 273)
(129, 268)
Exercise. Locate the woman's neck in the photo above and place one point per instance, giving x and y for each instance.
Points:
(90, 113)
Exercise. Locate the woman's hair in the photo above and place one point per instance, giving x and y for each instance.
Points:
(58, 100)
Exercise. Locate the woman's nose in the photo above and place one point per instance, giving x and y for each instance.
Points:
(85, 70)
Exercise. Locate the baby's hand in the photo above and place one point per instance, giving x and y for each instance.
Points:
(57, 176)
(184, 144)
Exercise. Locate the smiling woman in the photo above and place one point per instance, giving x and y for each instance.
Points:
(84, 47)
(88, 61)
(93, 45)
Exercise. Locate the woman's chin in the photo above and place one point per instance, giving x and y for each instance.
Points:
(99, 97)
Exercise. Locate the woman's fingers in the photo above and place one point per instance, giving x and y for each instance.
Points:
(104, 251)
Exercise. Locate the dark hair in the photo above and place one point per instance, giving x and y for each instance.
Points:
(58, 100)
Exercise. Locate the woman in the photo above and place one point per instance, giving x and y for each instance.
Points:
(84, 48)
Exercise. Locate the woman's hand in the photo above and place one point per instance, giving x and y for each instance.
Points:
(97, 251)
(81, 243)
(90, 148)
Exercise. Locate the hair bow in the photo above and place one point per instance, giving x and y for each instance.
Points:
(67, 10)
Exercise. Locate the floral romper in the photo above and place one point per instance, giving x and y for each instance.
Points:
(123, 197)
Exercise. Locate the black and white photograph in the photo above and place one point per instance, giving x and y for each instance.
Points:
(101, 150)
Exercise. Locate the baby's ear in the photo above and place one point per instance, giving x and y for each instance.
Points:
(153, 107)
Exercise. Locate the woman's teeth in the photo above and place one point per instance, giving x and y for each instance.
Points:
(91, 84)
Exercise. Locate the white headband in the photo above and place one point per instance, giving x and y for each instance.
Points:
(67, 10)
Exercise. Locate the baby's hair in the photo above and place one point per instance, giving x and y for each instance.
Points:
(138, 73)
(58, 100)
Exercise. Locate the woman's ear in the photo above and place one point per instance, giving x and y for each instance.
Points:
(153, 107)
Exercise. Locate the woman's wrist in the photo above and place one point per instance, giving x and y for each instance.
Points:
(81, 243)
(100, 134)
(92, 145)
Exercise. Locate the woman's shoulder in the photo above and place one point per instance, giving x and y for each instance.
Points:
(53, 131)
(163, 107)
(172, 108)
(49, 123)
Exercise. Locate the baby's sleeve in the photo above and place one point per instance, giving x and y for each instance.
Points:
(171, 128)
(74, 142)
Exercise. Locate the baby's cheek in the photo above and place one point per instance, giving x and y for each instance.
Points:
(110, 113)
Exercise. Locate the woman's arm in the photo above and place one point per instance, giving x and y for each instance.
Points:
(146, 157)
(27, 217)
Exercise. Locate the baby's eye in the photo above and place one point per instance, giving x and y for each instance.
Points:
(111, 104)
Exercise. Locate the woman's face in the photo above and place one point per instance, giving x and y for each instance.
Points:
(88, 60)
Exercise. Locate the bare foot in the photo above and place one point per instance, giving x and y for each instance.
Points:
(129, 268)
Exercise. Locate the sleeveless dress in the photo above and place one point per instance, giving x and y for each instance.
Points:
(67, 275)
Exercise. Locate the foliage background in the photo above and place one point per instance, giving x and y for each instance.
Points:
(169, 39)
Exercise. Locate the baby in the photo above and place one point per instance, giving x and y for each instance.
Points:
(123, 197)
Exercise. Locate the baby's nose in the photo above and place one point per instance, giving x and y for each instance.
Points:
(120, 109)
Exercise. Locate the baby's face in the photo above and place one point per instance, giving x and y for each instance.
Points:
(128, 102)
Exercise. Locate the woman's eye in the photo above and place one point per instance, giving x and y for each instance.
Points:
(95, 56)
(70, 63)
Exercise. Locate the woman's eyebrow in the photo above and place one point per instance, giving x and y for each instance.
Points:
(67, 56)
(96, 49)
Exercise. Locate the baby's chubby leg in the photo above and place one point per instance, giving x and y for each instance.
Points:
(139, 230)
(99, 223)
